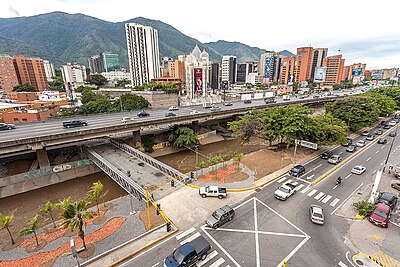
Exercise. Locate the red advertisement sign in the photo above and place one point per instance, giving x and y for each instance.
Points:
(198, 81)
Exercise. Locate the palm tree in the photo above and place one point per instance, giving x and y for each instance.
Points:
(95, 193)
(31, 228)
(238, 156)
(5, 223)
(73, 216)
(63, 203)
(48, 209)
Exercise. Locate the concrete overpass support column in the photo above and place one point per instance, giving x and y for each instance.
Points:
(137, 139)
(196, 127)
(42, 158)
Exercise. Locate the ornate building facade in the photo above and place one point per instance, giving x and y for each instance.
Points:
(197, 76)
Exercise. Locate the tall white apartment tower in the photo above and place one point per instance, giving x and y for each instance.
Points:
(143, 53)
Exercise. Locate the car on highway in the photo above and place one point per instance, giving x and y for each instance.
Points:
(74, 123)
(228, 104)
(194, 112)
(388, 199)
(335, 159)
(386, 126)
(297, 170)
(220, 216)
(351, 148)
(6, 126)
(382, 141)
(348, 142)
(370, 137)
(395, 185)
(365, 133)
(247, 101)
(392, 123)
(378, 132)
(317, 214)
(126, 119)
(380, 216)
(358, 169)
(170, 114)
(215, 108)
(326, 155)
(173, 108)
(392, 134)
(143, 114)
(360, 143)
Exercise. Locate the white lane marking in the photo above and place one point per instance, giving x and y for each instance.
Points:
(256, 235)
(326, 199)
(341, 264)
(300, 186)
(295, 183)
(282, 179)
(382, 163)
(312, 192)
(368, 158)
(377, 152)
(209, 257)
(218, 262)
(257, 232)
(346, 199)
(348, 258)
(187, 232)
(347, 176)
(289, 181)
(155, 264)
(304, 181)
(334, 202)
(310, 177)
(305, 189)
(317, 167)
(398, 225)
(320, 194)
(340, 153)
(293, 251)
(374, 172)
(193, 237)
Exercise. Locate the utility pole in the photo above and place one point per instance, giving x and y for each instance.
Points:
(148, 208)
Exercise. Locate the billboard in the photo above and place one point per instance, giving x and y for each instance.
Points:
(356, 72)
(358, 79)
(246, 97)
(258, 95)
(198, 81)
(377, 76)
(267, 67)
(320, 74)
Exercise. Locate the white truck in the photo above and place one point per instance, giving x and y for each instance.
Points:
(286, 97)
(213, 191)
(269, 97)
(207, 104)
(285, 191)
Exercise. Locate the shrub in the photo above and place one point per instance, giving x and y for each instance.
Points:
(364, 208)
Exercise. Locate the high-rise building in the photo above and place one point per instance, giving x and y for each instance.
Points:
(345, 74)
(269, 66)
(228, 69)
(319, 55)
(243, 70)
(334, 69)
(356, 73)
(215, 77)
(8, 75)
(96, 64)
(304, 58)
(177, 69)
(49, 70)
(143, 53)
(31, 71)
(197, 65)
(287, 70)
(165, 61)
(110, 61)
(74, 75)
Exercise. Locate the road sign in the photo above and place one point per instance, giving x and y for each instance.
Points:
(307, 144)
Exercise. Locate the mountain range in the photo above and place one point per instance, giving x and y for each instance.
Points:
(62, 37)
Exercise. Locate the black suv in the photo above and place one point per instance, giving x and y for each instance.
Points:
(326, 155)
(143, 114)
(349, 142)
(388, 199)
(74, 123)
(297, 171)
(247, 101)
(220, 216)
(5, 126)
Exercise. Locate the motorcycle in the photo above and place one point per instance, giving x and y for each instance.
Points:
(338, 181)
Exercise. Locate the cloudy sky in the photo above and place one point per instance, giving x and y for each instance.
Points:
(364, 31)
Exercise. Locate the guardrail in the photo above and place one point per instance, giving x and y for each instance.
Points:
(118, 176)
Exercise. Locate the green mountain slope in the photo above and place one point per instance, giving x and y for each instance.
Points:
(241, 51)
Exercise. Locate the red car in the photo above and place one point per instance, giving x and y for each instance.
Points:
(380, 216)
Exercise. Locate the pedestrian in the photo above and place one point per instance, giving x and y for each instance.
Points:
(390, 168)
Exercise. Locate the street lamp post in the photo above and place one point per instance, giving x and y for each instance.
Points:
(390, 150)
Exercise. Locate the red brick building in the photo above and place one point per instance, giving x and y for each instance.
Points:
(287, 70)
(31, 71)
(30, 115)
(304, 59)
(8, 74)
(334, 70)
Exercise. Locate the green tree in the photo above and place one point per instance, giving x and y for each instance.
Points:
(246, 127)
(148, 143)
(356, 112)
(87, 96)
(74, 215)
(131, 102)
(238, 156)
(183, 137)
(95, 193)
(48, 210)
(364, 207)
(385, 103)
(82, 88)
(122, 83)
(24, 88)
(57, 84)
(96, 79)
(31, 228)
(326, 130)
(393, 92)
(5, 223)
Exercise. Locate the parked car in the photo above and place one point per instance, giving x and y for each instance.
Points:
(247, 101)
(317, 214)
(74, 123)
(297, 170)
(220, 216)
(395, 185)
(143, 114)
(365, 133)
(326, 155)
(194, 112)
(382, 141)
(228, 104)
(126, 119)
(358, 169)
(388, 199)
(170, 114)
(173, 108)
(335, 159)
(351, 148)
(360, 143)
(215, 108)
(370, 137)
(349, 142)
(6, 126)
(380, 216)
(392, 134)
(378, 132)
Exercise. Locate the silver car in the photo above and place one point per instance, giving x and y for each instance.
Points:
(317, 214)
(335, 159)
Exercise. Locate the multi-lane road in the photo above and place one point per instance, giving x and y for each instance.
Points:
(267, 231)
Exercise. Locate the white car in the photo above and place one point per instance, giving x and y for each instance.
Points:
(194, 112)
(360, 143)
(392, 123)
(317, 214)
(126, 119)
(215, 108)
(172, 108)
(358, 169)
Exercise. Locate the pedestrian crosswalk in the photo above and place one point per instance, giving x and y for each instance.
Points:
(214, 259)
(310, 191)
